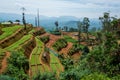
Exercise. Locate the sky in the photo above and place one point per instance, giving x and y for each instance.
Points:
(55, 8)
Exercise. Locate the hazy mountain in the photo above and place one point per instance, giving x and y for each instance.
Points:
(48, 22)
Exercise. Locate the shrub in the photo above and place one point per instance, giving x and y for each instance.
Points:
(75, 48)
(45, 76)
(96, 76)
(44, 39)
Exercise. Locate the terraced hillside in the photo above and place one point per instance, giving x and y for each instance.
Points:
(28, 43)
(7, 31)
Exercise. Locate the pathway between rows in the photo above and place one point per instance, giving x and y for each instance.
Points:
(4, 62)
(66, 49)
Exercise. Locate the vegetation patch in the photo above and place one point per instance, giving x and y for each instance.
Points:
(70, 39)
(45, 39)
(59, 44)
(75, 48)
(38, 31)
(9, 31)
(18, 43)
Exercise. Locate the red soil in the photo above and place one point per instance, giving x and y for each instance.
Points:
(76, 56)
(53, 39)
(4, 62)
(66, 49)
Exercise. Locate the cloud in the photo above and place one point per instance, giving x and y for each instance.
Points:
(78, 8)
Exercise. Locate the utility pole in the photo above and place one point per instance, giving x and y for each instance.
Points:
(36, 21)
(38, 17)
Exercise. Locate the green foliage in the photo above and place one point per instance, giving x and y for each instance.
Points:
(70, 72)
(69, 39)
(69, 75)
(59, 44)
(45, 76)
(95, 76)
(18, 64)
(86, 24)
(116, 77)
(44, 39)
(5, 77)
(105, 57)
(106, 22)
(75, 48)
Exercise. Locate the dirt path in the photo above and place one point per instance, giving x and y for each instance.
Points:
(66, 49)
(4, 62)
(118, 41)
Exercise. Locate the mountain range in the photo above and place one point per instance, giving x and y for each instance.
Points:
(48, 22)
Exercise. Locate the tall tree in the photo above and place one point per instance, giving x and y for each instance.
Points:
(114, 24)
(106, 22)
(86, 24)
(23, 19)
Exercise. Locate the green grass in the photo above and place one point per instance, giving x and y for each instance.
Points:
(9, 31)
(33, 60)
(54, 59)
(2, 50)
(35, 57)
(40, 68)
(69, 39)
(38, 48)
(33, 30)
(53, 66)
(18, 43)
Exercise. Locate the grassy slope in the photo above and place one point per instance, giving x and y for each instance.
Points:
(54, 63)
(35, 57)
(18, 43)
(36, 52)
(9, 31)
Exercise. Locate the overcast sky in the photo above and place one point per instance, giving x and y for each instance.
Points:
(53, 8)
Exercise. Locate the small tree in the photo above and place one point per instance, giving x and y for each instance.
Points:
(79, 25)
(17, 20)
(56, 24)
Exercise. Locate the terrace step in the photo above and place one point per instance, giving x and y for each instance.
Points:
(13, 38)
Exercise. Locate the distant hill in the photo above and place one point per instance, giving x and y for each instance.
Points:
(48, 22)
